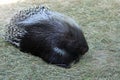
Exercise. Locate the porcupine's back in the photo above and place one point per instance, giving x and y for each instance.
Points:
(39, 14)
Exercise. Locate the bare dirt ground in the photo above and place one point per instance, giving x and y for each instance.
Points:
(100, 21)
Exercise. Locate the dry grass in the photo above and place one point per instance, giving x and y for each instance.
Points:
(100, 21)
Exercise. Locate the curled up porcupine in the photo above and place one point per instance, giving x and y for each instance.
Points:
(50, 35)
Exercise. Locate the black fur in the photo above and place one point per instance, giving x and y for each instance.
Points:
(43, 36)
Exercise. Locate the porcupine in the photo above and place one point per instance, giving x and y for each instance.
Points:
(50, 35)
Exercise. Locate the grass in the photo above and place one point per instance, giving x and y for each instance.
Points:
(100, 21)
